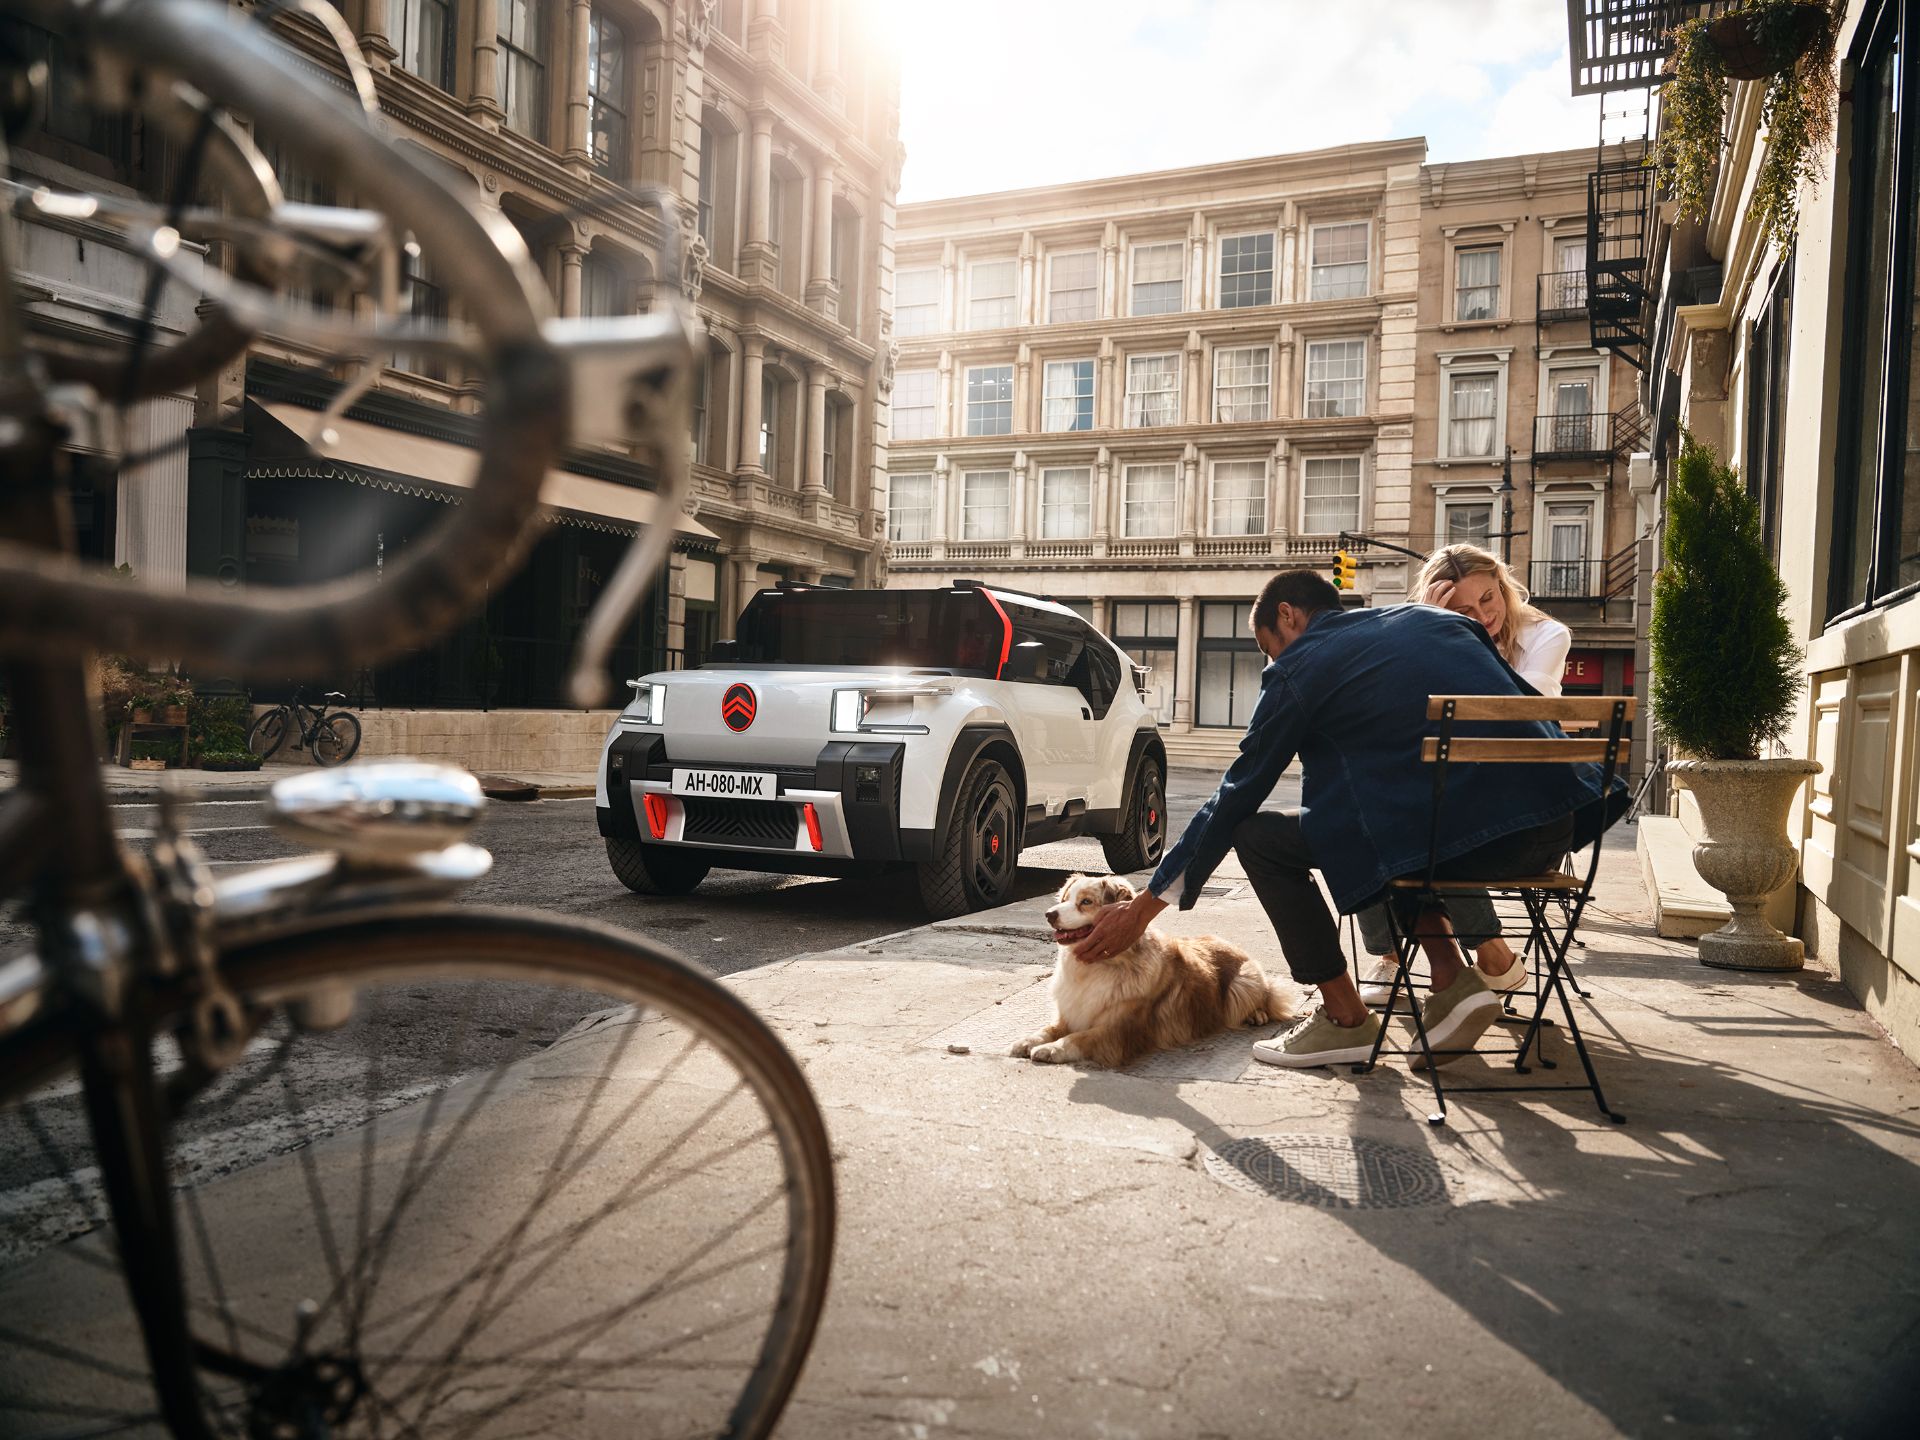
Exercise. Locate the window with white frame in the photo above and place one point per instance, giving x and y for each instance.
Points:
(1567, 285)
(1476, 282)
(1336, 378)
(910, 506)
(1158, 278)
(1153, 390)
(1073, 286)
(521, 83)
(916, 302)
(1329, 494)
(1239, 498)
(1246, 270)
(1242, 383)
(1066, 503)
(1473, 402)
(1147, 498)
(1467, 522)
(985, 504)
(1149, 633)
(1068, 396)
(993, 289)
(916, 404)
(1337, 261)
(1568, 549)
(990, 400)
(1227, 666)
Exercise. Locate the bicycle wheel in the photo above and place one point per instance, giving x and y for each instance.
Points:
(547, 1179)
(336, 738)
(268, 733)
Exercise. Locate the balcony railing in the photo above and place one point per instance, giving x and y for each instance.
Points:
(1563, 294)
(1568, 579)
(1572, 437)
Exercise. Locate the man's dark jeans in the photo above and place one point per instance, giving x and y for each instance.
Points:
(1279, 863)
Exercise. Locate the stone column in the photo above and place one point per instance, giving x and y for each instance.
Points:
(753, 351)
(1017, 505)
(376, 40)
(949, 288)
(746, 580)
(571, 257)
(826, 54)
(766, 36)
(1098, 604)
(1286, 397)
(1184, 668)
(1023, 391)
(579, 148)
(816, 482)
(759, 261)
(1026, 301)
(1193, 411)
(484, 103)
(1104, 399)
(1197, 297)
(1289, 261)
(1111, 277)
(942, 472)
(822, 294)
(944, 423)
(1102, 499)
(1280, 494)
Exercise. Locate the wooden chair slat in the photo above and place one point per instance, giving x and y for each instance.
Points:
(1494, 751)
(1595, 708)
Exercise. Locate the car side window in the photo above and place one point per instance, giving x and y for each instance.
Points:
(1045, 648)
(1097, 674)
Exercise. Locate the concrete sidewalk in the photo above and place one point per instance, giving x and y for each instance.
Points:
(1034, 1250)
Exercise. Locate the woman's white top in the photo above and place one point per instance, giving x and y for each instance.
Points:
(1540, 654)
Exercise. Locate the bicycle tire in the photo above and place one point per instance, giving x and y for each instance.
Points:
(268, 733)
(400, 953)
(336, 739)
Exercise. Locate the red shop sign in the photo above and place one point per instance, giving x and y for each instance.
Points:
(1587, 670)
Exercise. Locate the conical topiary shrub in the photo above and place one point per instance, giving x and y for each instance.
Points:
(1726, 671)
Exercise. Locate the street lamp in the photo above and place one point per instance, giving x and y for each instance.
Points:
(1506, 508)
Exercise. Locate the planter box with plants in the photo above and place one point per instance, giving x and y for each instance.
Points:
(1726, 674)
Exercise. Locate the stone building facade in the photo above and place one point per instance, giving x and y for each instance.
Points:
(1523, 430)
(1142, 395)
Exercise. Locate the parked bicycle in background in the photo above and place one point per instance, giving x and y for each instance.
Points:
(332, 735)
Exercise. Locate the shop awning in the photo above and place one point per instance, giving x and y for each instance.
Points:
(441, 464)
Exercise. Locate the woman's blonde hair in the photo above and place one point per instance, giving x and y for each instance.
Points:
(1457, 562)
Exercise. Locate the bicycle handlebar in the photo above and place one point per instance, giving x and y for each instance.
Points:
(55, 606)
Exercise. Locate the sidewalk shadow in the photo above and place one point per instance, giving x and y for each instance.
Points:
(1740, 1258)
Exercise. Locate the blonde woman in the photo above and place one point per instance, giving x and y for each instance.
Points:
(1477, 584)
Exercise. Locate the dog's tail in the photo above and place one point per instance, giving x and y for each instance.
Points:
(1280, 1002)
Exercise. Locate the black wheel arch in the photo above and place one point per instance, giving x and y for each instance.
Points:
(981, 742)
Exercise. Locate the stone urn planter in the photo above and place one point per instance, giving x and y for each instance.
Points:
(1744, 853)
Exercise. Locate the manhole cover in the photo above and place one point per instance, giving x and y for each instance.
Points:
(1329, 1171)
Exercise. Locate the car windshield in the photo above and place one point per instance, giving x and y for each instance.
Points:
(908, 629)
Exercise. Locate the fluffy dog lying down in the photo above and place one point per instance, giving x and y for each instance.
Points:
(1164, 992)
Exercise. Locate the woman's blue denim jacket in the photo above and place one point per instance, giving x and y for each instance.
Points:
(1349, 697)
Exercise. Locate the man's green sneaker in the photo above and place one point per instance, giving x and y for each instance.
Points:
(1319, 1041)
(1456, 1018)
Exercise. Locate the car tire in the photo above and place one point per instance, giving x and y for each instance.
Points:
(1142, 839)
(655, 869)
(979, 853)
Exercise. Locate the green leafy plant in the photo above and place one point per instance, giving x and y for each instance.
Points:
(1797, 110)
(153, 750)
(1726, 670)
(229, 760)
(217, 725)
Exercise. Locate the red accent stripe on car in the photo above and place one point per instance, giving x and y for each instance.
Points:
(1006, 632)
(813, 825)
(656, 807)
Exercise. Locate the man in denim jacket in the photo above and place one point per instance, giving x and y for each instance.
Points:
(1346, 691)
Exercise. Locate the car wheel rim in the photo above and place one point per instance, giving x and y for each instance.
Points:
(1153, 827)
(991, 843)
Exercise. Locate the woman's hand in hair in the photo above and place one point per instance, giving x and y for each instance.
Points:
(1440, 593)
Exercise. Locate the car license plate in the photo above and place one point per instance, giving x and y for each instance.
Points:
(725, 784)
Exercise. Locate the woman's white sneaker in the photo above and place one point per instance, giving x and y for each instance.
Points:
(1318, 1041)
(1376, 981)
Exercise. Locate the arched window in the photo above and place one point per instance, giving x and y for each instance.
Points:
(423, 34)
(603, 289)
(608, 123)
(523, 59)
(844, 263)
(719, 189)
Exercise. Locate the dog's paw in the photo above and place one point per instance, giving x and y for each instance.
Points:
(1022, 1048)
(1258, 1018)
(1054, 1053)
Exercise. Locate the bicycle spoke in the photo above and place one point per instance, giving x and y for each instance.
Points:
(316, 1196)
(198, 1223)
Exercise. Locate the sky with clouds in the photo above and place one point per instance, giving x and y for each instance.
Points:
(1005, 94)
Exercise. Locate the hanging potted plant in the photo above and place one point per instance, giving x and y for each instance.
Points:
(1726, 673)
(1787, 43)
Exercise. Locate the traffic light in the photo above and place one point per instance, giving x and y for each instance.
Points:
(1344, 571)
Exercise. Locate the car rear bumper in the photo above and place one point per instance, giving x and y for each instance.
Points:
(843, 808)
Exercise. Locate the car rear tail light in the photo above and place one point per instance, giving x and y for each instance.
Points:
(813, 825)
(656, 807)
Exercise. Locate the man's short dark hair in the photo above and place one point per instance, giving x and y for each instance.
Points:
(1307, 590)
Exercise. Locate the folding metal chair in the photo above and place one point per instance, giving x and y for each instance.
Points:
(1554, 902)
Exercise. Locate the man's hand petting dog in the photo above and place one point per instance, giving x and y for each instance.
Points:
(1116, 930)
